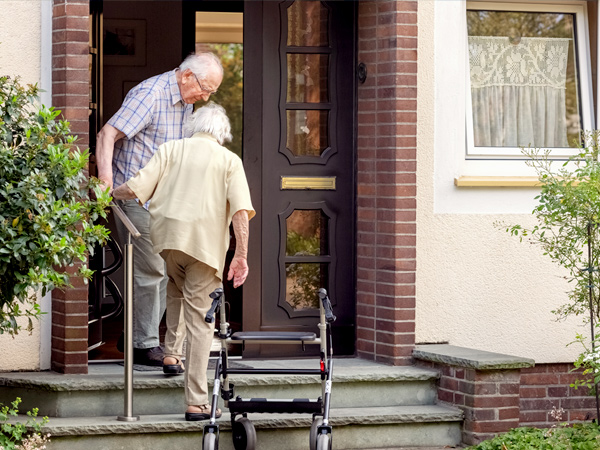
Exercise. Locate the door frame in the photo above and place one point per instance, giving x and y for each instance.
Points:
(253, 144)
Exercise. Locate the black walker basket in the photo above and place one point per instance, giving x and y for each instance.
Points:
(243, 431)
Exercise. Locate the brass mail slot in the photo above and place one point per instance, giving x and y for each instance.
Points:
(308, 183)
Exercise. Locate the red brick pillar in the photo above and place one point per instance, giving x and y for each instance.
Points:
(386, 194)
(491, 403)
(70, 94)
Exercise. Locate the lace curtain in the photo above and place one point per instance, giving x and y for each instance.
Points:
(518, 91)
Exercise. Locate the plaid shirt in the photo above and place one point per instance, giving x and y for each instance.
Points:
(152, 113)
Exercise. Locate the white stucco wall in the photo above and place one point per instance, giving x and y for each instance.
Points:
(477, 286)
(25, 50)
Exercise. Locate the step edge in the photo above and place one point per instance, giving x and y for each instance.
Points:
(444, 415)
(166, 383)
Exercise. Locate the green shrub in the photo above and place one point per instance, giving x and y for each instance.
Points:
(568, 231)
(46, 213)
(17, 435)
(583, 436)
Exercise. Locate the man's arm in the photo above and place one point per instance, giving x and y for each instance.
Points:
(105, 146)
(238, 269)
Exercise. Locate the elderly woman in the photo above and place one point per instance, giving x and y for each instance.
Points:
(198, 188)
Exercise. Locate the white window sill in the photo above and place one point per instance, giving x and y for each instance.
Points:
(496, 181)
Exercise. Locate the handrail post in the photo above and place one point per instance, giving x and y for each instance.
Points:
(128, 313)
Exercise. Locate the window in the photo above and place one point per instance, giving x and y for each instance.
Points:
(529, 77)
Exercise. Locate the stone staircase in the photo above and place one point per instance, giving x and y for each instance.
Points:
(373, 406)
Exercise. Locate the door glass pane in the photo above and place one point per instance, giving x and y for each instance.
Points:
(307, 78)
(303, 280)
(524, 80)
(307, 132)
(306, 233)
(308, 24)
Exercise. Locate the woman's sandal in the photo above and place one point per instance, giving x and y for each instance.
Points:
(173, 369)
(204, 415)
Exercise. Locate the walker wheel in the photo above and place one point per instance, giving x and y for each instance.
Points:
(243, 434)
(324, 442)
(210, 441)
(317, 422)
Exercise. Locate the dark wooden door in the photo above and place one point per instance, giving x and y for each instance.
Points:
(299, 121)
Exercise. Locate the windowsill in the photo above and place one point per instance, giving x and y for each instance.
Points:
(471, 181)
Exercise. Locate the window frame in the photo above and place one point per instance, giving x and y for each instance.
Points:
(582, 61)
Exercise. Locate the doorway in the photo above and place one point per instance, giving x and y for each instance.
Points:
(218, 27)
(290, 94)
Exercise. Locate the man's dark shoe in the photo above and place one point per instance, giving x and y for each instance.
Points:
(148, 356)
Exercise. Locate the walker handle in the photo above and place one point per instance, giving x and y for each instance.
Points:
(329, 316)
(216, 296)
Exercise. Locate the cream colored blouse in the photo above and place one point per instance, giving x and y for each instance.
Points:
(196, 186)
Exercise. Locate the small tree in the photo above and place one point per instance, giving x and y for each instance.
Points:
(568, 215)
(46, 213)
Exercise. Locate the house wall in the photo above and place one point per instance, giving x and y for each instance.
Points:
(21, 54)
(476, 285)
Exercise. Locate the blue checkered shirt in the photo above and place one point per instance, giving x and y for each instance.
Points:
(152, 113)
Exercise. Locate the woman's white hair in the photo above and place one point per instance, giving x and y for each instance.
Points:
(211, 119)
(201, 64)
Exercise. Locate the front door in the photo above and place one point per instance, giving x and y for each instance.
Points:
(299, 154)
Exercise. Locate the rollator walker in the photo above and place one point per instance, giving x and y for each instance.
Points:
(243, 431)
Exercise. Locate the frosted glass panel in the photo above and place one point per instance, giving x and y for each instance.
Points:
(308, 24)
(306, 233)
(307, 132)
(307, 78)
(303, 280)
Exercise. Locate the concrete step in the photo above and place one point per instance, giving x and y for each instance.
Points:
(353, 428)
(100, 393)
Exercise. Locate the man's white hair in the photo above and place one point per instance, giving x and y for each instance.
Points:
(210, 119)
(201, 64)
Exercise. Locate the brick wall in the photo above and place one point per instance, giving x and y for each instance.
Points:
(548, 385)
(386, 190)
(495, 401)
(70, 94)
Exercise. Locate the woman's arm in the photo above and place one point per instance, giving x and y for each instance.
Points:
(123, 192)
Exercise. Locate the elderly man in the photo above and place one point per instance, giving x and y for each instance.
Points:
(198, 188)
(152, 113)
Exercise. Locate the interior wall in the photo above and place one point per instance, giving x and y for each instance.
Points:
(162, 50)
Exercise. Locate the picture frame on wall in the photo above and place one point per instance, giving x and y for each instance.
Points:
(124, 42)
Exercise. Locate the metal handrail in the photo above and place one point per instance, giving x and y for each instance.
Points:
(128, 361)
(126, 221)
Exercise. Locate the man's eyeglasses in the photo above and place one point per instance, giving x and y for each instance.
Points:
(203, 88)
